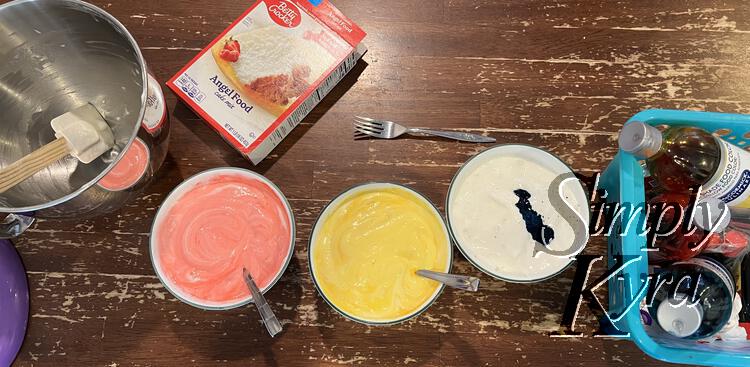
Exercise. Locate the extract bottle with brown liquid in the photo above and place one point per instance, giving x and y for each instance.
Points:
(682, 157)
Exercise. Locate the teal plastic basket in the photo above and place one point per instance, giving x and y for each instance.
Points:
(623, 180)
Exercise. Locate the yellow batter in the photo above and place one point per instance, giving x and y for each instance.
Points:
(369, 248)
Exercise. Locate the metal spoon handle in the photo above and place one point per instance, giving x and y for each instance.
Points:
(463, 282)
(266, 314)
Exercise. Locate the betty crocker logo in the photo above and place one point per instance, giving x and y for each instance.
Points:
(284, 13)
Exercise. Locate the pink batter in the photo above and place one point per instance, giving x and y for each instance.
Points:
(216, 228)
(129, 169)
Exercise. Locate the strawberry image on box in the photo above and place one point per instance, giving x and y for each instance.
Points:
(258, 79)
(275, 85)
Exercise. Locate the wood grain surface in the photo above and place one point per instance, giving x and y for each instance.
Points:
(560, 74)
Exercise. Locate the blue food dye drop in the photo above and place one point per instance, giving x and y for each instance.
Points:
(534, 222)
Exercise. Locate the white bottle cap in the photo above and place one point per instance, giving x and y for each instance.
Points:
(680, 319)
(639, 139)
(708, 214)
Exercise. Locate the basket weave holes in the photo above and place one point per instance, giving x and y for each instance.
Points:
(723, 132)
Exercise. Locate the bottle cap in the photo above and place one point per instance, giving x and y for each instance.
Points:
(708, 214)
(680, 319)
(639, 139)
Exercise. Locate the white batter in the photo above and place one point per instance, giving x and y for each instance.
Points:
(487, 224)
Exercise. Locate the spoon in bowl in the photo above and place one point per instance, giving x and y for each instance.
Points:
(266, 314)
(462, 282)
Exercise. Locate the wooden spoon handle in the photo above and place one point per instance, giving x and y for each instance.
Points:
(29, 165)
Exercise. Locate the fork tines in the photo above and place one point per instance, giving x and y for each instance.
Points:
(365, 126)
(367, 119)
(360, 136)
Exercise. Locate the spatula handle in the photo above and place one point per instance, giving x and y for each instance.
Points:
(27, 166)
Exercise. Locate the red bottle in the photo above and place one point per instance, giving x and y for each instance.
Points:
(679, 245)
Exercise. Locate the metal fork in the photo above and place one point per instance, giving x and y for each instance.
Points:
(365, 126)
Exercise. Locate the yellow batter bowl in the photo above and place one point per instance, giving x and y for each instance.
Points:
(367, 246)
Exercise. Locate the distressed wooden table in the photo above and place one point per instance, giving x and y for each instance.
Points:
(563, 75)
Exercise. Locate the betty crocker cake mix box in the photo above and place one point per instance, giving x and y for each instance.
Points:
(263, 74)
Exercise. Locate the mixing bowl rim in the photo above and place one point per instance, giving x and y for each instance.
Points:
(144, 94)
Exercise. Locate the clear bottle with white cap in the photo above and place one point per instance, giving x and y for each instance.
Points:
(692, 299)
(678, 316)
(682, 157)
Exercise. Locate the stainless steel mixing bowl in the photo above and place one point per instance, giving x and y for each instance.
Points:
(56, 55)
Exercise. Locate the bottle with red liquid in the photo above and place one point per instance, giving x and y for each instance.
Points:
(681, 244)
(682, 157)
(724, 235)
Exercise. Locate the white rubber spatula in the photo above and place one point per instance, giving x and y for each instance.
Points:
(82, 133)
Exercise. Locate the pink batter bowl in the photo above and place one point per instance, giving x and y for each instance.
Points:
(178, 195)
